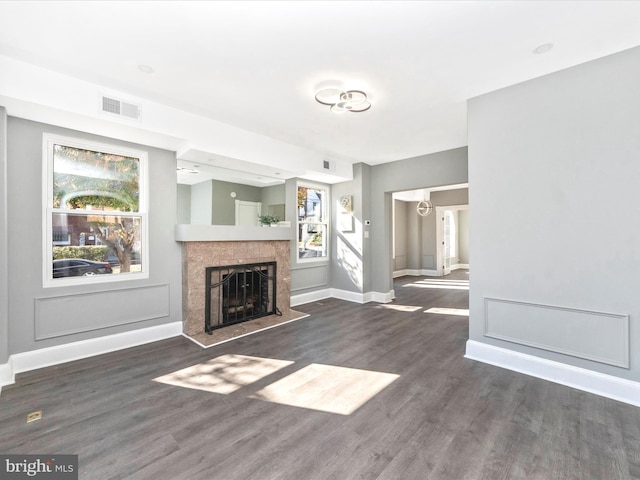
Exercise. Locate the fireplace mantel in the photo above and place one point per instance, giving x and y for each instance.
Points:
(230, 233)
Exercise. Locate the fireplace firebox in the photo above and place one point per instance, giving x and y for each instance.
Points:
(238, 293)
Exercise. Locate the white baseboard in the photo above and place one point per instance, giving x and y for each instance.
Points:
(408, 272)
(45, 357)
(400, 273)
(425, 272)
(620, 389)
(7, 376)
(347, 295)
(430, 273)
(382, 297)
(310, 297)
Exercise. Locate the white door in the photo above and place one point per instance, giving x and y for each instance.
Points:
(446, 243)
(247, 213)
(447, 237)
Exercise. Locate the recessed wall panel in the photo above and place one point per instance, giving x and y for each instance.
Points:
(67, 314)
(598, 336)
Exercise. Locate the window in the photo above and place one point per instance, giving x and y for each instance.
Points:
(95, 219)
(313, 222)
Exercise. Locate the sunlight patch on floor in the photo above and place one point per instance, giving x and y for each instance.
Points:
(224, 374)
(327, 388)
(464, 312)
(399, 308)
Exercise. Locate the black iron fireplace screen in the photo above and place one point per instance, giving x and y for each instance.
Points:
(237, 293)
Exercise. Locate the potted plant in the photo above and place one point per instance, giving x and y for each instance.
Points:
(267, 220)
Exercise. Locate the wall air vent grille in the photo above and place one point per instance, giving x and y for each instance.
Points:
(130, 110)
(329, 165)
(118, 107)
(111, 105)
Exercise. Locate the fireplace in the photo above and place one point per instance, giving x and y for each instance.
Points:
(238, 293)
(199, 253)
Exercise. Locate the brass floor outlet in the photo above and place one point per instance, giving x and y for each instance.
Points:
(33, 416)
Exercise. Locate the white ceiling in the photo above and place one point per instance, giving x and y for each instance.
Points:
(257, 65)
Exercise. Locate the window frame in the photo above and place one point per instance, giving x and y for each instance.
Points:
(48, 210)
(326, 221)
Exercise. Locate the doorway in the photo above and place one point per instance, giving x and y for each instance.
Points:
(417, 239)
(452, 238)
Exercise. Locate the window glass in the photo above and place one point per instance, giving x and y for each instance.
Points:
(95, 219)
(87, 180)
(313, 225)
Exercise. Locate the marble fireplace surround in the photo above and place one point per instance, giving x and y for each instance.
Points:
(218, 246)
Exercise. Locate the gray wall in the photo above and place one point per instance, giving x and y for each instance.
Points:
(463, 236)
(210, 202)
(224, 205)
(400, 225)
(273, 200)
(436, 169)
(554, 177)
(4, 255)
(184, 203)
(348, 246)
(414, 236)
(25, 264)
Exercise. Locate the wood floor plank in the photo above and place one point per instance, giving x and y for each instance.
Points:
(443, 418)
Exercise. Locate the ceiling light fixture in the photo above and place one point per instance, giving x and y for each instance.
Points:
(341, 101)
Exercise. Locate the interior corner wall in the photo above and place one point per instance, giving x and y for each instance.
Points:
(80, 304)
(4, 253)
(201, 206)
(273, 200)
(223, 205)
(348, 244)
(463, 237)
(554, 174)
(414, 238)
(400, 225)
(433, 170)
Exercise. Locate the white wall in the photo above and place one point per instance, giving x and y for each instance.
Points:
(554, 173)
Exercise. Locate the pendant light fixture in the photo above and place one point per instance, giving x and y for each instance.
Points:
(424, 208)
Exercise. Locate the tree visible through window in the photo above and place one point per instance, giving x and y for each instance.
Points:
(95, 211)
(312, 222)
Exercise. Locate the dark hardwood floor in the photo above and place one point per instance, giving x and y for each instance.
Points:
(443, 417)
